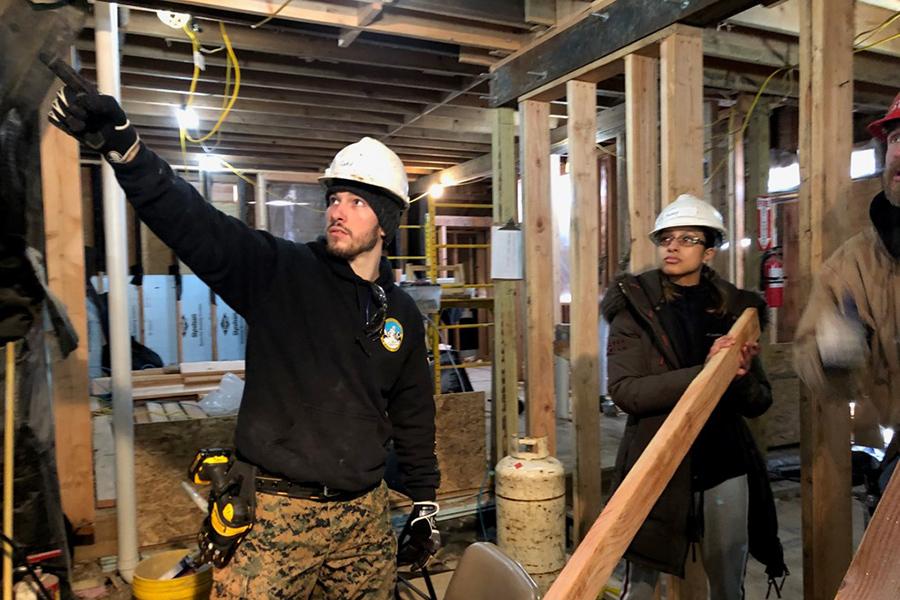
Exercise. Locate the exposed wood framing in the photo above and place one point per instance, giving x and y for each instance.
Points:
(505, 368)
(391, 23)
(779, 51)
(608, 27)
(874, 573)
(535, 148)
(758, 143)
(681, 114)
(477, 168)
(61, 191)
(540, 12)
(585, 284)
(736, 197)
(610, 123)
(472, 222)
(587, 571)
(302, 45)
(366, 15)
(787, 17)
(826, 97)
(641, 138)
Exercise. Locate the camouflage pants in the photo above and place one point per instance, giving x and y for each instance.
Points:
(314, 550)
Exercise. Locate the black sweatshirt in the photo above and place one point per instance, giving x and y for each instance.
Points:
(321, 401)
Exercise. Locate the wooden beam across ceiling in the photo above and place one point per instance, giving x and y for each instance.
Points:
(301, 144)
(149, 50)
(400, 23)
(785, 18)
(596, 33)
(780, 51)
(346, 87)
(411, 135)
(304, 45)
(245, 161)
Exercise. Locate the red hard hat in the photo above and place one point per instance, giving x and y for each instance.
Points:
(877, 128)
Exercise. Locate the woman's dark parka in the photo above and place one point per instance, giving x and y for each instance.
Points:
(650, 364)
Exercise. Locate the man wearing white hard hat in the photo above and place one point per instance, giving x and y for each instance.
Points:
(847, 345)
(336, 370)
(664, 325)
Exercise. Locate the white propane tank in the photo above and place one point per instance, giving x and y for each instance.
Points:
(531, 509)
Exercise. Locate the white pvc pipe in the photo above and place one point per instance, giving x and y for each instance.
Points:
(261, 212)
(106, 38)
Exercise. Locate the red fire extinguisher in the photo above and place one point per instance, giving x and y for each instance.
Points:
(772, 277)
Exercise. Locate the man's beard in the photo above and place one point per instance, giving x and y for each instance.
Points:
(891, 187)
(356, 247)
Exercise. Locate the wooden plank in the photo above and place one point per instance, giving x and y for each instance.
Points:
(460, 442)
(825, 143)
(874, 573)
(606, 29)
(392, 23)
(737, 195)
(536, 204)
(141, 414)
(758, 143)
(213, 366)
(64, 251)
(610, 123)
(595, 558)
(305, 46)
(505, 367)
(584, 315)
(642, 172)
(477, 168)
(459, 221)
(157, 412)
(104, 459)
(174, 412)
(192, 409)
(681, 112)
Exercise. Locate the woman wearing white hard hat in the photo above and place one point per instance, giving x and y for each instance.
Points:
(664, 325)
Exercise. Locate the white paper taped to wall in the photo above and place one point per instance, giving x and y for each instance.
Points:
(506, 252)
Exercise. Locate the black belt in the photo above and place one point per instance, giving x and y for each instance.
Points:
(305, 491)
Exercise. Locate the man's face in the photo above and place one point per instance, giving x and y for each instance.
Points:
(890, 177)
(351, 225)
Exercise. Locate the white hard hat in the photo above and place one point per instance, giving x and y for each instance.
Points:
(689, 211)
(370, 162)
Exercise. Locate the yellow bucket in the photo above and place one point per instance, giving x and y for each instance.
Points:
(146, 584)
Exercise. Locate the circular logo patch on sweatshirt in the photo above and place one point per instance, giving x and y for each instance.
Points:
(393, 335)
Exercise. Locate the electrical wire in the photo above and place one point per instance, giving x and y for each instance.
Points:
(272, 16)
(237, 83)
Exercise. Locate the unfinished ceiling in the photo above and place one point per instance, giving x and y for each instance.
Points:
(412, 73)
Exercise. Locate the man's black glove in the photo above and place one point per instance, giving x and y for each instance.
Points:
(93, 118)
(420, 539)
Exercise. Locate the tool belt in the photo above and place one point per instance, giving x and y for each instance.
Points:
(268, 484)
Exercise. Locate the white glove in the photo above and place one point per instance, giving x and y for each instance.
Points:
(841, 341)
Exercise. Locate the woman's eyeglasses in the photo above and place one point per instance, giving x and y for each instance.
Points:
(375, 320)
(683, 241)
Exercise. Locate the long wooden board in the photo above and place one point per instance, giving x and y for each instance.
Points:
(585, 283)
(61, 191)
(595, 558)
(540, 392)
(874, 573)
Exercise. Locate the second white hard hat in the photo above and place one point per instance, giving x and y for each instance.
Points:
(370, 162)
(689, 211)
